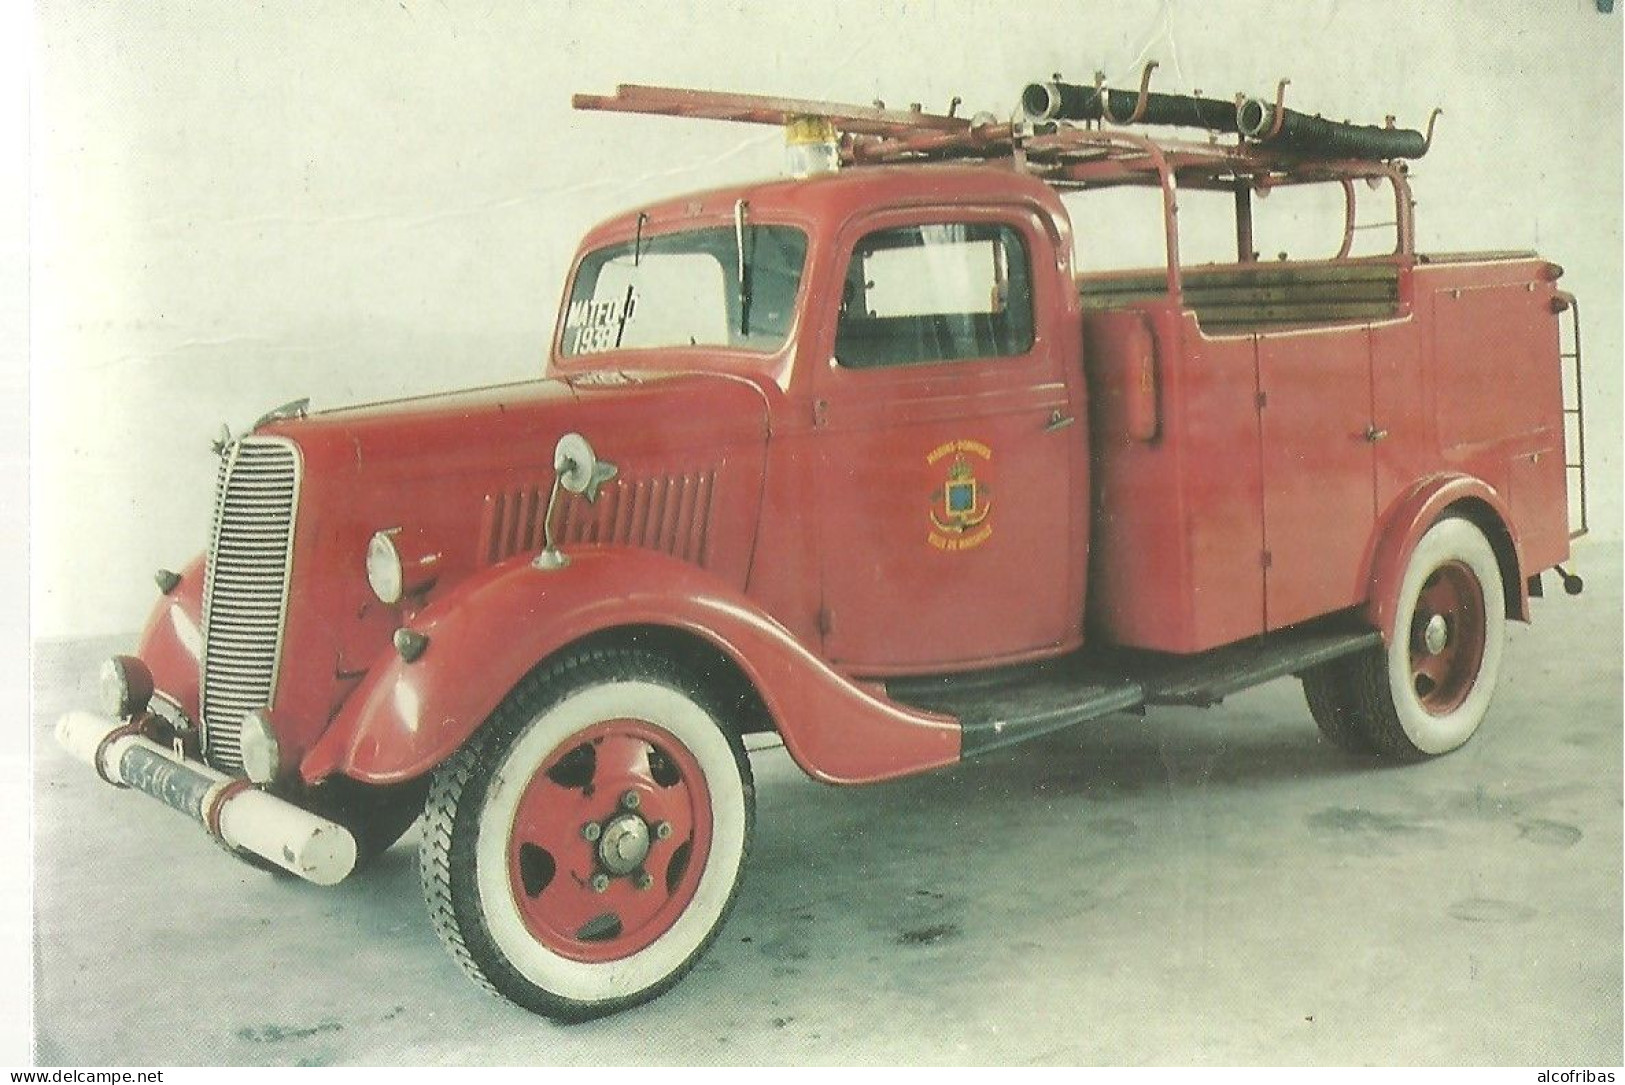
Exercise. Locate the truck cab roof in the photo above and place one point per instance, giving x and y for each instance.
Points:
(829, 199)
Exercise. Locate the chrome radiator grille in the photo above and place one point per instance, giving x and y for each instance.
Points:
(246, 589)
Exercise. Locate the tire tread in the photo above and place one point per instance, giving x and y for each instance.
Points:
(1329, 690)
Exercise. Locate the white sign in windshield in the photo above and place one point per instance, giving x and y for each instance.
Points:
(662, 300)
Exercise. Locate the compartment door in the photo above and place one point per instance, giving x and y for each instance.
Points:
(1319, 470)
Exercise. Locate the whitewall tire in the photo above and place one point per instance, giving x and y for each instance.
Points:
(1426, 690)
(583, 850)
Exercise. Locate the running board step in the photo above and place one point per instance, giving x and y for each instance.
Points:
(1210, 677)
(1007, 705)
(1013, 704)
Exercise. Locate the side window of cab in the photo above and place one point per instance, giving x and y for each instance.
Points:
(938, 292)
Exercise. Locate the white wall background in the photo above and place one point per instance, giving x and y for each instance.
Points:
(236, 205)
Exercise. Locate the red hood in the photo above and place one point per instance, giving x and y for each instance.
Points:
(466, 477)
(514, 426)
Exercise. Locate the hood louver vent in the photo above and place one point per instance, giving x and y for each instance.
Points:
(669, 513)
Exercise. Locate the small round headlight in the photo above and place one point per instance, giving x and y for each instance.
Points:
(262, 756)
(384, 568)
(126, 686)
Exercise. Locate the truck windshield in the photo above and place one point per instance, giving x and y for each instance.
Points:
(683, 289)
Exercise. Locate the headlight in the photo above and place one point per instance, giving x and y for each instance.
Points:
(126, 686)
(384, 571)
(262, 756)
(401, 563)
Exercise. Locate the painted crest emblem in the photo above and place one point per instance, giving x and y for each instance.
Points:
(960, 509)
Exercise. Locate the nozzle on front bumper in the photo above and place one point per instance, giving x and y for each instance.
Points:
(279, 832)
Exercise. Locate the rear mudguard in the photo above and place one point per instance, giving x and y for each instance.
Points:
(405, 718)
(1417, 510)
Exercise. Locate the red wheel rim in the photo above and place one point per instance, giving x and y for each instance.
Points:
(1447, 638)
(601, 894)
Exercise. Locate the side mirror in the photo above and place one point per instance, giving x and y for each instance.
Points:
(580, 471)
(576, 469)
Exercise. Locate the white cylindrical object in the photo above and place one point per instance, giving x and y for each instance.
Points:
(298, 841)
(81, 734)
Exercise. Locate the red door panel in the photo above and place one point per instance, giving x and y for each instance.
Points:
(945, 509)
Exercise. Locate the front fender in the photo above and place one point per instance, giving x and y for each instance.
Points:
(171, 644)
(405, 718)
(1408, 520)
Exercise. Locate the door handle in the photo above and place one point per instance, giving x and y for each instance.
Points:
(1057, 420)
(1373, 434)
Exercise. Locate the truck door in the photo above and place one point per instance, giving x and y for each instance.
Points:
(1319, 470)
(953, 466)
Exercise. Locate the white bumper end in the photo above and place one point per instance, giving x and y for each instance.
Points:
(277, 831)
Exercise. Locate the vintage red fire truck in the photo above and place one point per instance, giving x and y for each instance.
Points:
(858, 457)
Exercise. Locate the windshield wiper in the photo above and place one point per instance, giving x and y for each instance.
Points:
(629, 302)
(626, 314)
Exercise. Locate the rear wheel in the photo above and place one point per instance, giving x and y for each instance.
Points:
(1329, 689)
(1427, 689)
(583, 850)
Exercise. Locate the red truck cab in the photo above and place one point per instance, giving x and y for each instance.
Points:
(871, 415)
(858, 458)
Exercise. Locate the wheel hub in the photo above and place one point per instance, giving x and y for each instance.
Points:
(1436, 634)
(624, 844)
(1447, 638)
(609, 841)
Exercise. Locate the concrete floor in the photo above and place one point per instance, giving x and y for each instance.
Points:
(1213, 887)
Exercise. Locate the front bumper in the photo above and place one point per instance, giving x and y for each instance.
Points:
(230, 808)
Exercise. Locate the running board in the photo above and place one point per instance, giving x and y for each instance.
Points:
(1210, 677)
(1013, 704)
(1008, 705)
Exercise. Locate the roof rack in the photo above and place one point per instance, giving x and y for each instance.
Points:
(1061, 134)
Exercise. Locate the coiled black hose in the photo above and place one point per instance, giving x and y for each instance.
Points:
(1318, 137)
(1299, 133)
(1072, 102)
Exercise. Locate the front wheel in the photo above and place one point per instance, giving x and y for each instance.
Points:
(583, 850)
(1426, 690)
